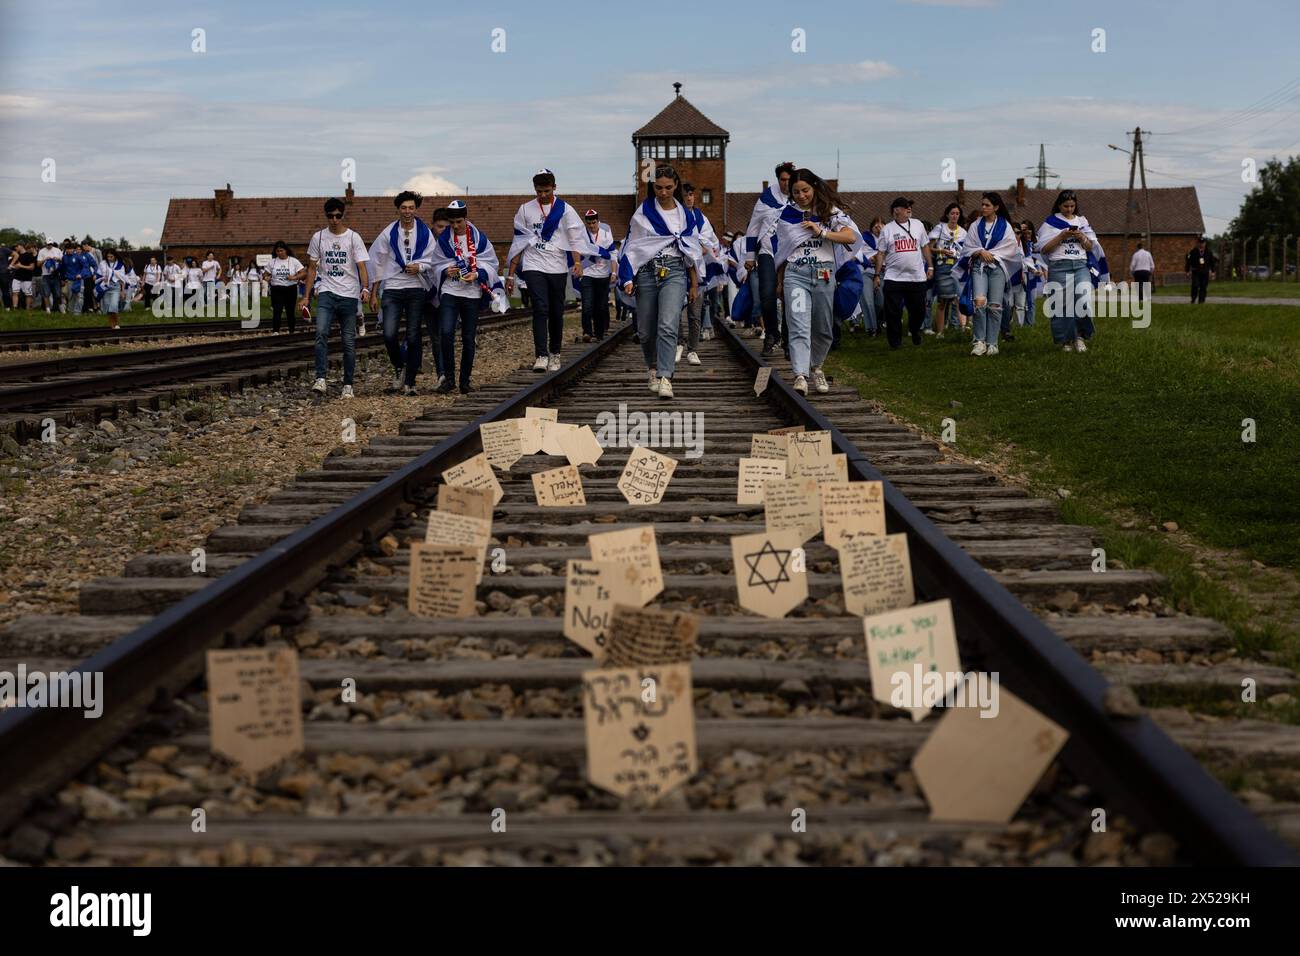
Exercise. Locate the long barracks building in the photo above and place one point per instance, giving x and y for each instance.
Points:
(697, 147)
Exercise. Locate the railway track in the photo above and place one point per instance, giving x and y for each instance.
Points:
(90, 387)
(32, 340)
(457, 718)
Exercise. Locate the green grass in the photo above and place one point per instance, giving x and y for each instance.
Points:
(11, 320)
(1250, 288)
(1149, 420)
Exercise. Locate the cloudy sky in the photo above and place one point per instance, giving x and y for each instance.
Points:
(132, 107)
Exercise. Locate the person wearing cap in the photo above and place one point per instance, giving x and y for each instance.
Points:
(464, 271)
(401, 261)
(549, 237)
(596, 274)
(759, 254)
(903, 267)
(661, 261)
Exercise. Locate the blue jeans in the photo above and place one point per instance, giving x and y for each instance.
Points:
(331, 306)
(451, 308)
(1075, 295)
(809, 316)
(872, 301)
(431, 327)
(396, 303)
(51, 292)
(988, 283)
(658, 310)
(75, 299)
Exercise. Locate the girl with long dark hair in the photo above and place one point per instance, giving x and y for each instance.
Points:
(1068, 243)
(990, 256)
(814, 239)
(946, 241)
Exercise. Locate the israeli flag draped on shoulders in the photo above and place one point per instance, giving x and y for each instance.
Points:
(561, 228)
(768, 206)
(1097, 265)
(998, 239)
(604, 245)
(716, 260)
(1033, 263)
(648, 235)
(446, 253)
(388, 258)
(791, 235)
(110, 273)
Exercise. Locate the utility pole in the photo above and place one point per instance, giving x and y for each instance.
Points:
(1136, 166)
(1042, 167)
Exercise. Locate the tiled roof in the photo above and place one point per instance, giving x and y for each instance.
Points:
(263, 221)
(681, 118)
(1174, 210)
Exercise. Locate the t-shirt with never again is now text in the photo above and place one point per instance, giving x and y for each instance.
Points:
(337, 258)
(902, 246)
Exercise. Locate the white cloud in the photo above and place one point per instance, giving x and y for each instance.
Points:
(148, 231)
(427, 182)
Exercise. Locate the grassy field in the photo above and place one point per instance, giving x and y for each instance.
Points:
(1265, 289)
(11, 320)
(1147, 423)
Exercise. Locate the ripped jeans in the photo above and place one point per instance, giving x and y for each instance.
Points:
(988, 282)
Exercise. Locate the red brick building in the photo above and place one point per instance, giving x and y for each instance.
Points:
(697, 147)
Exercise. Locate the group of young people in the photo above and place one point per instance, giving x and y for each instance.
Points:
(72, 278)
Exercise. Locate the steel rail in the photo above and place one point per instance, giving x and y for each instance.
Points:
(41, 749)
(1158, 782)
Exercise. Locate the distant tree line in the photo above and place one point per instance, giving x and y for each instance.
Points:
(9, 236)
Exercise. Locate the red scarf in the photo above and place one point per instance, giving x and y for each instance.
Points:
(471, 252)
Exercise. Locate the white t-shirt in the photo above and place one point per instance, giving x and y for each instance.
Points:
(282, 271)
(946, 243)
(599, 268)
(194, 278)
(544, 256)
(173, 274)
(902, 248)
(1068, 248)
(336, 258)
(210, 267)
(675, 220)
(404, 280)
(152, 275)
(1142, 262)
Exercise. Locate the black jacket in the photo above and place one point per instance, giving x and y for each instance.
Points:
(1209, 263)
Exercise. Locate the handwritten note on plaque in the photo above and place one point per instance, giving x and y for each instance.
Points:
(442, 580)
(803, 445)
(760, 381)
(591, 589)
(640, 724)
(460, 531)
(501, 443)
(851, 509)
(647, 635)
(910, 651)
(254, 705)
(634, 546)
(768, 446)
(474, 502)
(770, 579)
(581, 447)
(475, 473)
(794, 503)
(754, 475)
(559, 488)
(876, 573)
(645, 477)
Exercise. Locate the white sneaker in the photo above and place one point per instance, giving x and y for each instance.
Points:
(692, 358)
(654, 381)
(929, 331)
(554, 364)
(399, 380)
(361, 332)
(819, 381)
(540, 364)
(979, 349)
(1080, 345)
(665, 388)
(801, 385)
(319, 386)
(679, 353)
(1067, 347)
(993, 350)
(442, 379)
(347, 392)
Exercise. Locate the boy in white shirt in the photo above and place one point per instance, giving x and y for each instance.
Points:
(337, 274)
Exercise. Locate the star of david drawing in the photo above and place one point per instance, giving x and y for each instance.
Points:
(769, 557)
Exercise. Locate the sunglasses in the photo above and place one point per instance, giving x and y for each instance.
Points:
(334, 215)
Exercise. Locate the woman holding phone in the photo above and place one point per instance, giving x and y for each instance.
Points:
(1065, 240)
